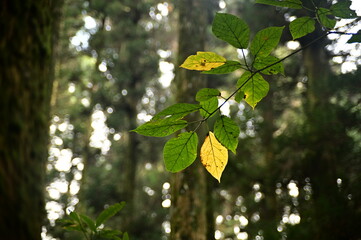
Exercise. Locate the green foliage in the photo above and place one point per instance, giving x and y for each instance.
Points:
(265, 41)
(92, 229)
(269, 65)
(296, 4)
(355, 38)
(227, 132)
(322, 15)
(342, 10)
(254, 87)
(208, 107)
(207, 93)
(231, 29)
(239, 96)
(161, 128)
(109, 212)
(177, 111)
(227, 67)
(302, 26)
(181, 151)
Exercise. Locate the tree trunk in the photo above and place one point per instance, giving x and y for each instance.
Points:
(269, 208)
(26, 43)
(130, 163)
(189, 187)
(324, 155)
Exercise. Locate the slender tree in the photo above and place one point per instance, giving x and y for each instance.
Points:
(189, 187)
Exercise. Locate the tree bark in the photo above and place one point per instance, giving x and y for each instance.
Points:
(189, 187)
(26, 43)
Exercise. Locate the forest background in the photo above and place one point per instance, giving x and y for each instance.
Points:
(296, 173)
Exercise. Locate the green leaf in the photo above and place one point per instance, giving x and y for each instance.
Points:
(296, 4)
(74, 224)
(239, 96)
(89, 222)
(228, 67)
(254, 87)
(207, 93)
(301, 27)
(342, 10)
(324, 20)
(203, 61)
(160, 128)
(177, 111)
(355, 38)
(231, 29)
(70, 224)
(109, 212)
(110, 234)
(180, 152)
(265, 41)
(208, 106)
(125, 236)
(261, 63)
(227, 132)
(74, 228)
(75, 217)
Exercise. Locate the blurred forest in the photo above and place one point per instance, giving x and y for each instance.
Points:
(111, 65)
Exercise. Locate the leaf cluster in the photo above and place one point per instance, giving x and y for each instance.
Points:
(181, 151)
(94, 230)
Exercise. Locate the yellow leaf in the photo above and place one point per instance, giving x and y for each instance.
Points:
(214, 156)
(203, 61)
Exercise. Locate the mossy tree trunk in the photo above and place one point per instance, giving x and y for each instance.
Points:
(189, 187)
(26, 43)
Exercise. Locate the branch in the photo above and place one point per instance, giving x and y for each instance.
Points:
(342, 33)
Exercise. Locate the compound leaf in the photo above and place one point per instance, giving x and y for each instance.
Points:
(301, 27)
(203, 61)
(160, 128)
(180, 152)
(342, 10)
(231, 29)
(254, 87)
(177, 111)
(322, 14)
(227, 67)
(295, 4)
(276, 68)
(227, 132)
(207, 93)
(108, 213)
(214, 156)
(265, 41)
